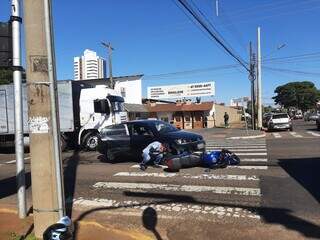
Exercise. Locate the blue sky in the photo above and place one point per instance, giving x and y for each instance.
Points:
(152, 37)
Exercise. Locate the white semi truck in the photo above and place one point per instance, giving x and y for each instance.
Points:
(83, 110)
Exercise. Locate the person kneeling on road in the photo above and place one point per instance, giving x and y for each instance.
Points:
(153, 152)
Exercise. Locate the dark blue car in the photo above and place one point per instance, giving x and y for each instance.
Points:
(132, 137)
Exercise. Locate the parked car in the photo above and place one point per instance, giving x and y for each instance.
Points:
(313, 117)
(318, 123)
(132, 137)
(298, 116)
(279, 121)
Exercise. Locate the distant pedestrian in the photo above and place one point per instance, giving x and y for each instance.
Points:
(226, 119)
(153, 152)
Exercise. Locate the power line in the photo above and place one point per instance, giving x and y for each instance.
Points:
(283, 70)
(212, 26)
(213, 35)
(193, 71)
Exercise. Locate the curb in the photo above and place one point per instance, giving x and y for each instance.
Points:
(249, 137)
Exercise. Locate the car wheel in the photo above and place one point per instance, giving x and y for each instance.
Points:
(90, 141)
(291, 129)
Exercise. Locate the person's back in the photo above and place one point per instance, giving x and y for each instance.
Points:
(226, 119)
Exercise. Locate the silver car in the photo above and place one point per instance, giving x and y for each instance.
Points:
(279, 121)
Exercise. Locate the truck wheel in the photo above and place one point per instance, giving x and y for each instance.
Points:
(90, 141)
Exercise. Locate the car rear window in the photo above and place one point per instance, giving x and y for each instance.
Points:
(277, 116)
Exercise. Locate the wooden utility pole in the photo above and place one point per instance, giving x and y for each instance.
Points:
(46, 200)
(110, 49)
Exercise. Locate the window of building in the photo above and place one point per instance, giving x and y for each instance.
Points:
(187, 118)
(178, 119)
(123, 91)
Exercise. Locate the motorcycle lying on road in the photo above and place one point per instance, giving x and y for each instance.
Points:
(212, 160)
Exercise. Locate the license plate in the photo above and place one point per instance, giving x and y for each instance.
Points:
(200, 145)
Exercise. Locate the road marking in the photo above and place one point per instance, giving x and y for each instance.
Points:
(135, 208)
(276, 135)
(14, 160)
(189, 176)
(236, 143)
(138, 166)
(237, 147)
(180, 188)
(296, 135)
(239, 150)
(250, 167)
(254, 160)
(314, 134)
(251, 154)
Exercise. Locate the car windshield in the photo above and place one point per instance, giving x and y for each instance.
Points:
(278, 116)
(165, 127)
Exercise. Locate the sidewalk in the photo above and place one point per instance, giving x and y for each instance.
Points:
(13, 228)
(233, 133)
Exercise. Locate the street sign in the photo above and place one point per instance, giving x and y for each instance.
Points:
(182, 90)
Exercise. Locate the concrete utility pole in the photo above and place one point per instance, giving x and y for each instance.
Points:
(259, 86)
(18, 111)
(40, 69)
(110, 49)
(252, 78)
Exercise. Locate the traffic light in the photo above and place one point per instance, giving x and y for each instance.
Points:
(5, 45)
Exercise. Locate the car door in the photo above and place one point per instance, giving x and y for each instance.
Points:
(117, 138)
(141, 136)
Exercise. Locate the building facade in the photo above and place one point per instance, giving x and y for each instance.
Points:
(129, 87)
(190, 115)
(89, 66)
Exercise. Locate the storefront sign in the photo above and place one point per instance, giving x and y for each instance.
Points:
(182, 90)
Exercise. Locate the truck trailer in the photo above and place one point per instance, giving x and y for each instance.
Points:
(83, 111)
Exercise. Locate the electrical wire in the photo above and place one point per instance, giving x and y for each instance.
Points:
(213, 35)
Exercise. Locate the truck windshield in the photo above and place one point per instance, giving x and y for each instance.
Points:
(117, 106)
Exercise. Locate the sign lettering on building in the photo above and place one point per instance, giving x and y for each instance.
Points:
(182, 90)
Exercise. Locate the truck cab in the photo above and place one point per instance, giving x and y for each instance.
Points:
(99, 107)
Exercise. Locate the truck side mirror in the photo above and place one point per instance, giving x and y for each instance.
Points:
(101, 106)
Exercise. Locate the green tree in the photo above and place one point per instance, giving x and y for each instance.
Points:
(5, 76)
(300, 95)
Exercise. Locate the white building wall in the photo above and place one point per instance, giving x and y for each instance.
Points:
(92, 66)
(131, 90)
(77, 68)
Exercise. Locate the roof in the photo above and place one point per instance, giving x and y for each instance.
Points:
(101, 81)
(130, 107)
(204, 106)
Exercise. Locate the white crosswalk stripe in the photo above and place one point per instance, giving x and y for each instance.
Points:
(240, 167)
(313, 133)
(189, 176)
(276, 135)
(179, 188)
(135, 208)
(296, 135)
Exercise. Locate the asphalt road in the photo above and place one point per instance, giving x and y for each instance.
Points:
(274, 193)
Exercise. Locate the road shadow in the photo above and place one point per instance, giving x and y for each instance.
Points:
(150, 220)
(306, 172)
(119, 159)
(8, 186)
(271, 215)
(70, 179)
